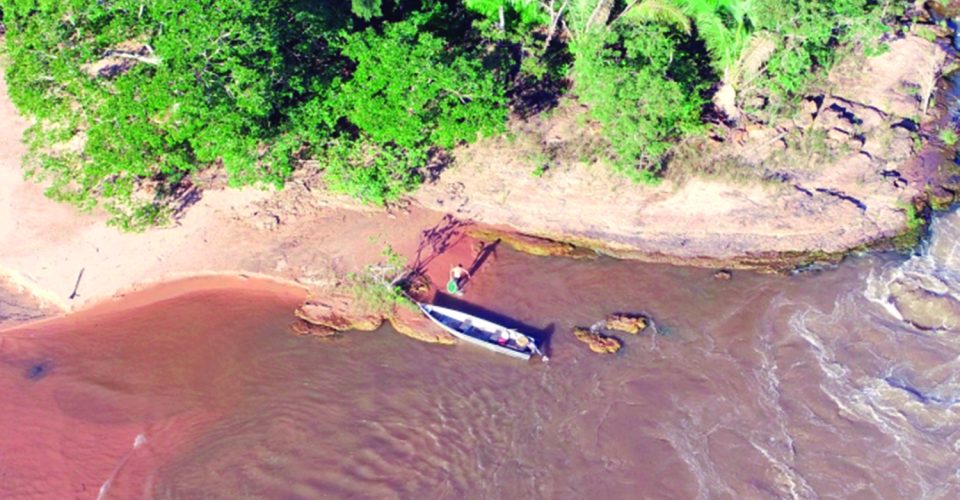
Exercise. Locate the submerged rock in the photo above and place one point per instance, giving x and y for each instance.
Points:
(925, 308)
(723, 275)
(597, 342)
(304, 328)
(624, 322)
(415, 325)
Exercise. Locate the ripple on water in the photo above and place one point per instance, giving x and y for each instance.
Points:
(925, 289)
(766, 386)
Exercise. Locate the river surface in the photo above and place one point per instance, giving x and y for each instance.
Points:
(757, 387)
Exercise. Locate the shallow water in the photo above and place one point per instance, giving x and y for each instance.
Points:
(757, 387)
(17, 306)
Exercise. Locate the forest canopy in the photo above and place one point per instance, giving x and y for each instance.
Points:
(132, 99)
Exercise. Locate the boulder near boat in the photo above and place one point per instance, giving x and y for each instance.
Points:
(481, 332)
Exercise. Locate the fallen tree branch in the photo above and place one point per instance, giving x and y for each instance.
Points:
(151, 60)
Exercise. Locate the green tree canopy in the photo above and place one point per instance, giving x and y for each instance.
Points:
(133, 98)
(409, 92)
(149, 92)
(642, 88)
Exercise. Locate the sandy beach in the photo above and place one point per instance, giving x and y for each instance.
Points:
(71, 259)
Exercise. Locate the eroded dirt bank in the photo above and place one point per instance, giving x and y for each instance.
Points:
(838, 176)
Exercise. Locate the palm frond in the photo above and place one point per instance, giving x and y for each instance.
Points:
(723, 43)
(757, 51)
(659, 11)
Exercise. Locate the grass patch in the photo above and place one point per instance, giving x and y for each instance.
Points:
(540, 161)
(925, 33)
(916, 224)
(380, 286)
(948, 136)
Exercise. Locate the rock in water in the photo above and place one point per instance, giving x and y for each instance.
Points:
(723, 275)
(415, 325)
(301, 327)
(340, 313)
(924, 308)
(627, 323)
(597, 342)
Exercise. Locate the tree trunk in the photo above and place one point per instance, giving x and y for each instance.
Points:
(726, 101)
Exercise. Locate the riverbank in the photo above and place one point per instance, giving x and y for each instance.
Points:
(798, 210)
(838, 176)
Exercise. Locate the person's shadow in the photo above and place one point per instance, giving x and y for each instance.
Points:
(485, 253)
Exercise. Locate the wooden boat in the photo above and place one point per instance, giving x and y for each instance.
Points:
(481, 332)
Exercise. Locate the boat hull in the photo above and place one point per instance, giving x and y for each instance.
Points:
(449, 319)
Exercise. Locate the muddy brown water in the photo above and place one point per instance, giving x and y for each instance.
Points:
(757, 387)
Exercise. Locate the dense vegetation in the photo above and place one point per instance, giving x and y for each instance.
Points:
(134, 98)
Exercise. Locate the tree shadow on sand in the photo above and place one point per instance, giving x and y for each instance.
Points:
(437, 240)
(185, 195)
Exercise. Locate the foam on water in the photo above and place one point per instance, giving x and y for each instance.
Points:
(137, 442)
(935, 270)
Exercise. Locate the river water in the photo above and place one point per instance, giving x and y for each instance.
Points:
(817, 384)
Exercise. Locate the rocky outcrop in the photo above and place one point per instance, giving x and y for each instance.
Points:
(627, 323)
(415, 325)
(338, 312)
(597, 342)
(305, 328)
(530, 244)
(896, 82)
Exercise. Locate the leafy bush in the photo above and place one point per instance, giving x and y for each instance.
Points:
(643, 89)
(949, 136)
(378, 285)
(132, 97)
(781, 47)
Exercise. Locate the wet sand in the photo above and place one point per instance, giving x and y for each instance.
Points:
(19, 306)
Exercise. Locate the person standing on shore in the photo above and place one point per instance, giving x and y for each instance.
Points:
(458, 276)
